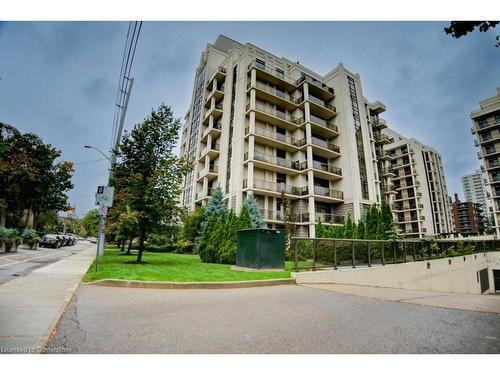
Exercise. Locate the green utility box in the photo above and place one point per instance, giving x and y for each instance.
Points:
(260, 248)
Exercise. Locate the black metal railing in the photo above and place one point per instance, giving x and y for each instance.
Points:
(321, 253)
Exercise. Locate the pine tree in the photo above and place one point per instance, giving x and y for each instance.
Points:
(348, 227)
(245, 221)
(254, 211)
(321, 231)
(217, 237)
(215, 206)
(227, 249)
(361, 230)
(387, 219)
(205, 238)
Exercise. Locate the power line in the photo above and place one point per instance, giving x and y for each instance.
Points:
(89, 161)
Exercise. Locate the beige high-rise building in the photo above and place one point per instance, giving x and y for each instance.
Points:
(486, 129)
(262, 125)
(475, 190)
(420, 206)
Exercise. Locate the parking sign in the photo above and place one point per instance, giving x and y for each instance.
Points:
(104, 196)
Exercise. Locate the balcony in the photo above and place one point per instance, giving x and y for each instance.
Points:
(390, 189)
(491, 165)
(274, 117)
(272, 215)
(383, 139)
(326, 170)
(386, 172)
(323, 127)
(210, 172)
(200, 195)
(317, 88)
(274, 138)
(214, 131)
(212, 151)
(490, 151)
(327, 218)
(275, 187)
(381, 124)
(318, 107)
(274, 163)
(273, 95)
(218, 94)
(272, 76)
(387, 156)
(215, 112)
(401, 207)
(377, 107)
(325, 192)
(321, 147)
(219, 74)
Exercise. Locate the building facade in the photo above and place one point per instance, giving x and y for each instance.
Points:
(474, 188)
(486, 130)
(263, 125)
(467, 218)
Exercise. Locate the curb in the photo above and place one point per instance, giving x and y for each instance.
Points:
(190, 285)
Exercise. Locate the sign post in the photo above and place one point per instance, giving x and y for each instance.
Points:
(103, 199)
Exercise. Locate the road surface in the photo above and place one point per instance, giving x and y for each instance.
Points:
(278, 319)
(13, 265)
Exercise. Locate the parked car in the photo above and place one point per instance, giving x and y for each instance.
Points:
(72, 239)
(92, 239)
(51, 240)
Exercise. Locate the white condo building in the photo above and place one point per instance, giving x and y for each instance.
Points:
(262, 125)
(475, 191)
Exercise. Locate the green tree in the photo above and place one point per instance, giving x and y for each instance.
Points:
(458, 29)
(215, 205)
(128, 227)
(321, 231)
(348, 228)
(245, 219)
(90, 223)
(191, 224)
(253, 208)
(149, 172)
(204, 242)
(360, 233)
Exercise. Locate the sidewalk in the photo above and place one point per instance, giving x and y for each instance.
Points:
(487, 303)
(31, 306)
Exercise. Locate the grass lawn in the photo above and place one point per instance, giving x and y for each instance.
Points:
(169, 267)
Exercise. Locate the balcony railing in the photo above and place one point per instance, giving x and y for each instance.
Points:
(271, 90)
(327, 124)
(273, 72)
(329, 218)
(327, 167)
(325, 144)
(274, 135)
(321, 102)
(319, 84)
(215, 147)
(202, 194)
(327, 192)
(276, 187)
(271, 159)
(273, 112)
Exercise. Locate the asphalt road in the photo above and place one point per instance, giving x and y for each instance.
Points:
(280, 319)
(24, 261)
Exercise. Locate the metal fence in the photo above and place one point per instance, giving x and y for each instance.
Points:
(319, 253)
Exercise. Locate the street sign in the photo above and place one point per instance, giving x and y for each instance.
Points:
(104, 196)
(103, 210)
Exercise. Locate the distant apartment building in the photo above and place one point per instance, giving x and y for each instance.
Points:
(467, 218)
(420, 205)
(475, 190)
(486, 129)
(263, 125)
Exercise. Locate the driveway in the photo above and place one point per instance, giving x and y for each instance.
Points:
(278, 319)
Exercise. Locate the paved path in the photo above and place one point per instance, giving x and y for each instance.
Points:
(488, 303)
(24, 261)
(30, 306)
(277, 319)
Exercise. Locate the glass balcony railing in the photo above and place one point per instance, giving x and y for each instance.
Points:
(272, 90)
(322, 122)
(277, 187)
(325, 167)
(274, 135)
(271, 159)
(321, 85)
(327, 192)
(273, 72)
(329, 218)
(271, 111)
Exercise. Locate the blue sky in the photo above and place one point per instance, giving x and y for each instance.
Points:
(59, 79)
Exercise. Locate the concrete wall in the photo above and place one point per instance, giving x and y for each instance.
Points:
(459, 276)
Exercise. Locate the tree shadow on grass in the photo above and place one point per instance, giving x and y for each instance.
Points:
(135, 262)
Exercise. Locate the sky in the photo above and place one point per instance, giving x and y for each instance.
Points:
(59, 79)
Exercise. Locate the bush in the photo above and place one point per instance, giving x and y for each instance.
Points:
(10, 237)
(183, 246)
(30, 237)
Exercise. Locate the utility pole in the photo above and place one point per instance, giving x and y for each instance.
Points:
(102, 215)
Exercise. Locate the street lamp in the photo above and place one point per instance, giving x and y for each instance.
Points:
(102, 153)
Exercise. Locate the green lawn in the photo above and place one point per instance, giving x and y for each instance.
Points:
(169, 267)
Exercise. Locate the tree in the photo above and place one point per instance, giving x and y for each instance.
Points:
(215, 205)
(348, 227)
(321, 231)
(458, 29)
(90, 223)
(128, 227)
(289, 219)
(205, 248)
(253, 209)
(191, 224)
(149, 173)
(245, 220)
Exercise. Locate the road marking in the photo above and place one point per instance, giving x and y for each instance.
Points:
(27, 260)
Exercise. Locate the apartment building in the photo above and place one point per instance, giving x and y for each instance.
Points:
(486, 130)
(420, 203)
(467, 218)
(262, 125)
(474, 188)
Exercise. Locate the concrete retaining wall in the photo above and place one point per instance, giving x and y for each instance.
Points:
(452, 275)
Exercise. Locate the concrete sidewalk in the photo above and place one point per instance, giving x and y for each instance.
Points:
(487, 303)
(31, 306)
